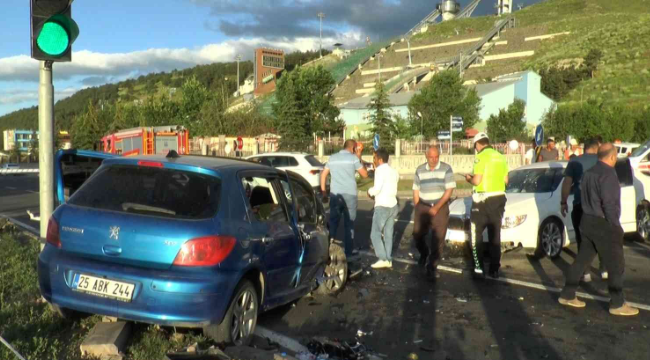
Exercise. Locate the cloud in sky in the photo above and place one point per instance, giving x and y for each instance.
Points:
(268, 18)
(97, 68)
(12, 97)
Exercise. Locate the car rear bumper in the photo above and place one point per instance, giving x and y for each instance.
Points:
(160, 296)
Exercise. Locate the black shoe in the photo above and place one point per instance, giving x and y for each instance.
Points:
(494, 274)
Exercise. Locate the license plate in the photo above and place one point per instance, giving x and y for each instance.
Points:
(103, 287)
(456, 236)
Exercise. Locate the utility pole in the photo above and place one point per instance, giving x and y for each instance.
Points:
(321, 16)
(46, 144)
(451, 133)
(460, 64)
(408, 41)
(379, 64)
(238, 58)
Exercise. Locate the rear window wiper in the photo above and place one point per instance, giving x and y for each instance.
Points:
(140, 207)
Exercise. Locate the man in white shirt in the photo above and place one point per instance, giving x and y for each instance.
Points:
(384, 192)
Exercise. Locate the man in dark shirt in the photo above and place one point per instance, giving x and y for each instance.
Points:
(602, 232)
(549, 153)
(571, 185)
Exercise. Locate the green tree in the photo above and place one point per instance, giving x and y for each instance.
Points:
(592, 60)
(33, 148)
(303, 99)
(380, 117)
(194, 95)
(443, 97)
(15, 153)
(508, 124)
(642, 127)
(88, 129)
(403, 129)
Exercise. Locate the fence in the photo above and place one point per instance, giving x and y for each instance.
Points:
(462, 147)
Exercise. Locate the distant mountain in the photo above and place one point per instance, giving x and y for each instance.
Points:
(219, 77)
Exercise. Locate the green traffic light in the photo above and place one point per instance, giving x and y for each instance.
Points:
(53, 39)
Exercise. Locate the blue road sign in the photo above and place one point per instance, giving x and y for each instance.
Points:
(375, 142)
(539, 135)
(444, 135)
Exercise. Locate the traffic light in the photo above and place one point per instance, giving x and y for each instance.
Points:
(53, 30)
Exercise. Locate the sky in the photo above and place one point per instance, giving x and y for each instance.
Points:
(121, 39)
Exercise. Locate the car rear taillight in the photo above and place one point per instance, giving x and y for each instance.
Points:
(205, 251)
(53, 233)
(150, 163)
(315, 172)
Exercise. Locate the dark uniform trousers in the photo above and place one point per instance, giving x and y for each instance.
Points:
(424, 222)
(599, 237)
(576, 218)
(487, 214)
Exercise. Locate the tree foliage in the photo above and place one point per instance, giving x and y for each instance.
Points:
(593, 118)
(380, 116)
(443, 97)
(508, 124)
(557, 81)
(304, 105)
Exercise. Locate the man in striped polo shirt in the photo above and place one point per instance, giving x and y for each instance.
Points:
(432, 187)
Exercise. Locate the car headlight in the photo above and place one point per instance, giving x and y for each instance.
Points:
(509, 222)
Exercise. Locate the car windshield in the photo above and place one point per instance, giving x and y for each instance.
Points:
(641, 149)
(151, 191)
(534, 180)
(311, 159)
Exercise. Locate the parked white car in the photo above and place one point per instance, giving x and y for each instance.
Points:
(625, 149)
(640, 161)
(305, 165)
(532, 216)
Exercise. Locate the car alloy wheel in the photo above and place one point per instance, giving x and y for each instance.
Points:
(551, 238)
(244, 317)
(336, 271)
(643, 222)
(240, 319)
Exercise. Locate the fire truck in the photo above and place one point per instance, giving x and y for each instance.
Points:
(148, 141)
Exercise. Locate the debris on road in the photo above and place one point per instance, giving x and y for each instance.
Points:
(459, 299)
(413, 356)
(361, 333)
(364, 293)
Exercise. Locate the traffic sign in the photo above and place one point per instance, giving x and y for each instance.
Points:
(444, 135)
(375, 142)
(240, 143)
(539, 135)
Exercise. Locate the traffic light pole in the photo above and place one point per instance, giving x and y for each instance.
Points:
(46, 144)
(451, 134)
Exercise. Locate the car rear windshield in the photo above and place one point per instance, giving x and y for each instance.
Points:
(534, 180)
(151, 191)
(311, 159)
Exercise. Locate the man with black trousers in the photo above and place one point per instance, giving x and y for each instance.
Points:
(601, 233)
(571, 185)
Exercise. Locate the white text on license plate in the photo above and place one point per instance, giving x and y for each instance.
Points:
(103, 287)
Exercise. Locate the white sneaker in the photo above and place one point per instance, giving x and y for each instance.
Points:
(604, 275)
(586, 278)
(382, 264)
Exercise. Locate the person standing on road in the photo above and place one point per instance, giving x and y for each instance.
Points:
(490, 178)
(343, 191)
(549, 153)
(602, 233)
(432, 188)
(530, 157)
(384, 192)
(573, 150)
(571, 185)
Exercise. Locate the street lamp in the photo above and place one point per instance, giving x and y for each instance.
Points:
(421, 128)
(321, 16)
(238, 58)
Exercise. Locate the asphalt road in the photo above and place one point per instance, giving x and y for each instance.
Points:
(456, 317)
(17, 195)
(462, 318)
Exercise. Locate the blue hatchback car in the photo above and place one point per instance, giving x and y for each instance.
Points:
(185, 241)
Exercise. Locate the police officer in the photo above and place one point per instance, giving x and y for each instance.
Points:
(489, 178)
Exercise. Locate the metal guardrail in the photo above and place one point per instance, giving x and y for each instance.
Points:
(18, 171)
(468, 10)
(429, 19)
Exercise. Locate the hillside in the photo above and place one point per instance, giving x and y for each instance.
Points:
(219, 77)
(621, 30)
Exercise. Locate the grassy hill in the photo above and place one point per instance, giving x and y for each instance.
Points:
(621, 30)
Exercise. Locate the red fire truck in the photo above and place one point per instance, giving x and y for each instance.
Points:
(148, 141)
